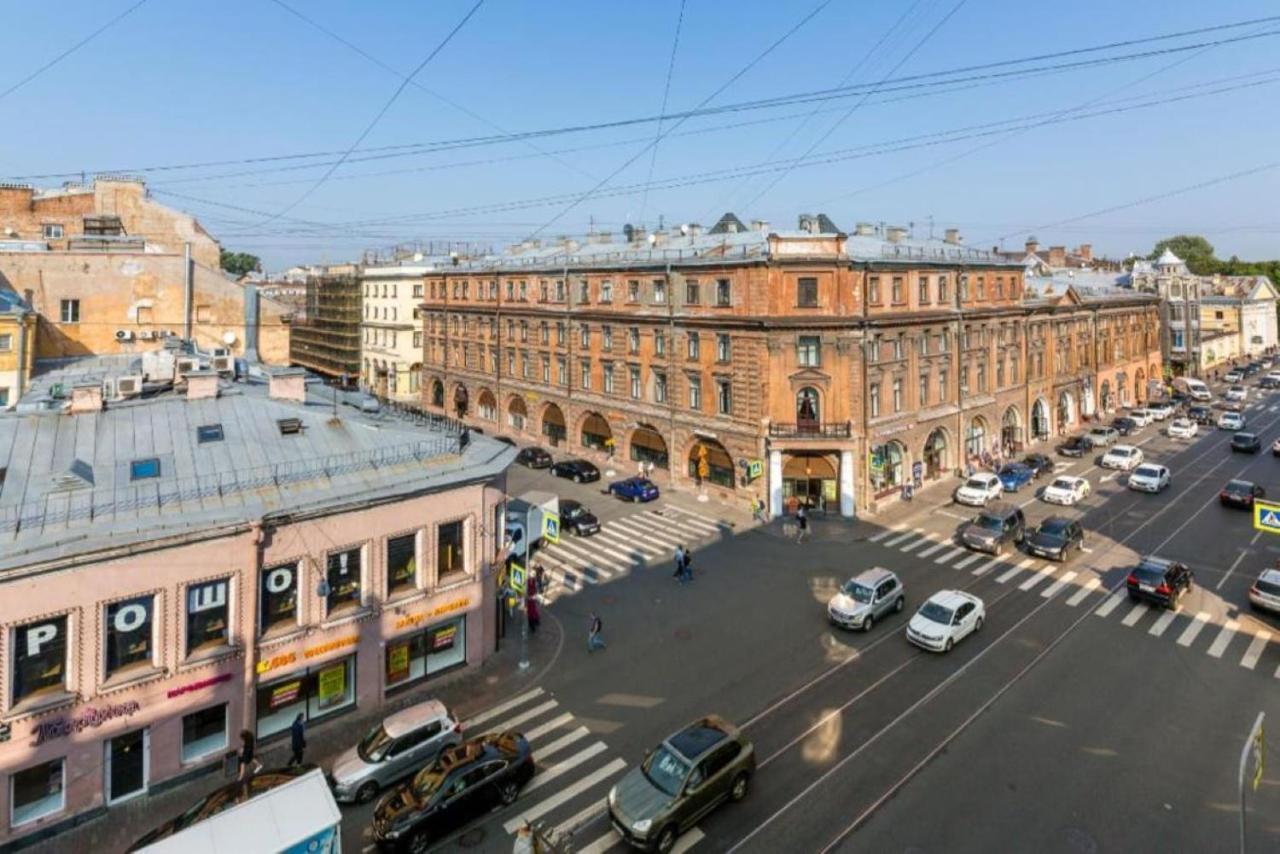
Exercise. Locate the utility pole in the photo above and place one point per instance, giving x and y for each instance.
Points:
(1253, 748)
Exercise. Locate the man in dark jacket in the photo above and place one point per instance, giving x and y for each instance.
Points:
(297, 740)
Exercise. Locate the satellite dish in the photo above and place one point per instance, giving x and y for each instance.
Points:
(228, 338)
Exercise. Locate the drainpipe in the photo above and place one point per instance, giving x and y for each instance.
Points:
(186, 291)
(249, 623)
(251, 323)
(866, 391)
(957, 364)
(23, 344)
(672, 456)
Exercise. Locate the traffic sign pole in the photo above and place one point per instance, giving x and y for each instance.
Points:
(1252, 749)
(1266, 516)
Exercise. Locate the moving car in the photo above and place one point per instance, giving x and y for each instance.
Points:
(1066, 490)
(578, 471)
(979, 489)
(687, 776)
(1200, 414)
(1182, 428)
(1102, 436)
(395, 748)
(1160, 410)
(1141, 417)
(1149, 477)
(1231, 421)
(1076, 446)
(534, 457)
(1039, 464)
(1055, 537)
(1270, 381)
(1122, 457)
(1014, 476)
(1246, 443)
(946, 617)
(577, 518)
(865, 598)
(1264, 595)
(1240, 493)
(1233, 376)
(634, 489)
(1159, 581)
(466, 781)
(1193, 388)
(1124, 426)
(993, 529)
(1237, 393)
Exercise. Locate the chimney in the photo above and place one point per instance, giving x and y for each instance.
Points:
(952, 236)
(760, 225)
(602, 237)
(809, 223)
(1033, 245)
(637, 234)
(1085, 251)
(693, 229)
(895, 233)
(864, 229)
(287, 384)
(86, 397)
(1057, 256)
(202, 385)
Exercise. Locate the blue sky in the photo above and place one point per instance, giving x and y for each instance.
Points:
(184, 82)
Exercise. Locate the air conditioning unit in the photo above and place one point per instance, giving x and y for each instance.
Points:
(146, 335)
(186, 366)
(223, 364)
(124, 334)
(130, 386)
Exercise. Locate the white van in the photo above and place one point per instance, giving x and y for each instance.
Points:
(1193, 388)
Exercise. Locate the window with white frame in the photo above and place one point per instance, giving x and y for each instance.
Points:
(37, 791)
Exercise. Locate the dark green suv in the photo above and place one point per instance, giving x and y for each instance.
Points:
(690, 774)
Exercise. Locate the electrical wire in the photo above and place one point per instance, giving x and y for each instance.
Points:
(666, 91)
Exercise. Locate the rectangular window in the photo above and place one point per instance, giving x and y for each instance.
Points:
(315, 693)
(607, 372)
(279, 612)
(559, 290)
(695, 351)
(584, 336)
(524, 292)
(809, 351)
(924, 290)
(130, 636)
(1013, 369)
(204, 733)
(724, 397)
(560, 333)
(144, 469)
(633, 340)
(562, 370)
(897, 290)
(70, 311)
(208, 616)
(449, 557)
(924, 390)
(942, 386)
(37, 791)
(897, 395)
(606, 337)
(942, 289)
(545, 331)
(417, 291)
(39, 659)
(511, 290)
(542, 291)
(526, 368)
(342, 574)
(695, 394)
(524, 331)
(982, 377)
(422, 654)
(53, 231)
(873, 290)
(634, 374)
(807, 292)
(722, 348)
(606, 291)
(982, 287)
(659, 343)
(584, 368)
(6, 343)
(873, 395)
(691, 295)
(633, 291)
(402, 564)
(1000, 287)
(723, 294)
(209, 433)
(546, 370)
(897, 348)
(584, 292)
(659, 387)
(659, 292)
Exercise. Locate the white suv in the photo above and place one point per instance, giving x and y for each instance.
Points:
(979, 489)
(1231, 421)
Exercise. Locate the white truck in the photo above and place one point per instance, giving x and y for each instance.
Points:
(1192, 388)
(526, 514)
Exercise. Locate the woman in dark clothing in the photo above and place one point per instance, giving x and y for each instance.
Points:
(531, 608)
(249, 763)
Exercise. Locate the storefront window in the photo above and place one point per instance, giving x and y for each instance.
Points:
(886, 466)
(204, 732)
(208, 617)
(426, 653)
(279, 598)
(39, 658)
(315, 693)
(449, 549)
(402, 563)
(129, 633)
(37, 791)
(344, 581)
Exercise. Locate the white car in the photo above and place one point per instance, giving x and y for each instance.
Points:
(1122, 457)
(1232, 377)
(1237, 394)
(1160, 411)
(946, 617)
(979, 489)
(1231, 421)
(1149, 477)
(1182, 428)
(1274, 376)
(1066, 490)
(1141, 417)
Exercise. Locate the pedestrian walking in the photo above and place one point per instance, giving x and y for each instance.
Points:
(297, 740)
(249, 764)
(531, 611)
(757, 510)
(688, 565)
(540, 579)
(595, 635)
(802, 524)
(679, 557)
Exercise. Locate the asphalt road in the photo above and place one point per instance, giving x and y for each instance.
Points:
(1074, 721)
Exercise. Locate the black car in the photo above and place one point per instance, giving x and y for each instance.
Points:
(578, 519)
(1179, 398)
(222, 798)
(1039, 464)
(1246, 443)
(1159, 581)
(1200, 414)
(1076, 446)
(1055, 537)
(1251, 369)
(1124, 426)
(466, 781)
(578, 471)
(1268, 382)
(1240, 493)
(534, 457)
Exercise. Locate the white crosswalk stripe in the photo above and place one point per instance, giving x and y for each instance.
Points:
(991, 564)
(1159, 626)
(590, 551)
(880, 535)
(903, 537)
(564, 767)
(1254, 652)
(526, 715)
(1198, 622)
(562, 742)
(936, 547)
(1039, 575)
(917, 543)
(1111, 604)
(490, 714)
(691, 838)
(636, 529)
(623, 542)
(1220, 643)
(550, 726)
(533, 812)
(1006, 576)
(950, 556)
(1135, 613)
(1054, 588)
(1079, 596)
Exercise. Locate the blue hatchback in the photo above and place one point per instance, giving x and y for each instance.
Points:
(634, 489)
(1014, 476)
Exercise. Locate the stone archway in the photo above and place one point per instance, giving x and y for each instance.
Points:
(975, 440)
(647, 446)
(596, 433)
(936, 454)
(517, 413)
(1011, 430)
(487, 405)
(553, 424)
(437, 394)
(709, 462)
(1040, 429)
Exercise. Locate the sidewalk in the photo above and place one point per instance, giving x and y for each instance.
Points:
(465, 692)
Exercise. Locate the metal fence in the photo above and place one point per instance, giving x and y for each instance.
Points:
(66, 506)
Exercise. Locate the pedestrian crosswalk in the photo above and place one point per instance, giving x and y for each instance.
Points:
(621, 545)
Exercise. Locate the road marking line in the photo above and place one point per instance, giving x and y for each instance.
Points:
(1089, 586)
(1254, 652)
(696, 517)
(1003, 579)
(1234, 564)
(566, 766)
(597, 565)
(925, 538)
(901, 538)
(693, 520)
(1219, 645)
(1135, 613)
(982, 570)
(583, 818)
(934, 548)
(613, 541)
(1054, 588)
(1189, 633)
(502, 709)
(627, 538)
(1158, 627)
(1110, 605)
(603, 844)
(950, 556)
(659, 526)
(1039, 575)
(638, 530)
(513, 722)
(546, 805)
(875, 538)
(543, 729)
(563, 741)
(965, 561)
(602, 545)
(581, 573)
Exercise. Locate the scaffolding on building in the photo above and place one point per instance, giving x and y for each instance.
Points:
(327, 339)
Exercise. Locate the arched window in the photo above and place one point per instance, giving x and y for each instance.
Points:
(808, 412)
(975, 440)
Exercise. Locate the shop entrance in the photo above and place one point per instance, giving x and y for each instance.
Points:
(809, 480)
(126, 764)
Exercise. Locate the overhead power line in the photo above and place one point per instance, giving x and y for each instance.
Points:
(666, 91)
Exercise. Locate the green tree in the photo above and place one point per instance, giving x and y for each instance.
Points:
(240, 263)
(1192, 248)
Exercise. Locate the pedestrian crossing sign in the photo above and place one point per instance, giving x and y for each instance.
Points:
(517, 578)
(551, 527)
(1266, 516)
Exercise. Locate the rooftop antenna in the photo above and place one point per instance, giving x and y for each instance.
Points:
(660, 218)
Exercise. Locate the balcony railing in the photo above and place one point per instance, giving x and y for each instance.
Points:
(811, 430)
